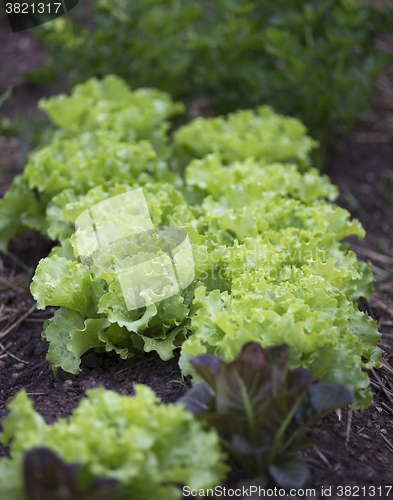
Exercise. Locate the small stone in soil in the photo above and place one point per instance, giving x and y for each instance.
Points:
(67, 386)
(19, 367)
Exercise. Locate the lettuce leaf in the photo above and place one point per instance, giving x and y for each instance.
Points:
(149, 447)
(86, 161)
(58, 281)
(109, 105)
(241, 183)
(260, 133)
(20, 210)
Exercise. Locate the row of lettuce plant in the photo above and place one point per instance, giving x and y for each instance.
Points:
(314, 60)
(120, 447)
(108, 133)
(266, 244)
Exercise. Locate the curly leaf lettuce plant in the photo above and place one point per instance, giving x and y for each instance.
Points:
(148, 447)
(261, 409)
(110, 105)
(260, 133)
(93, 310)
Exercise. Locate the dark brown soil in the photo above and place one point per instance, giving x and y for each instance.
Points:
(20, 53)
(355, 451)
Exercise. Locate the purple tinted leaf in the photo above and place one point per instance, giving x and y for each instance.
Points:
(298, 383)
(242, 390)
(277, 355)
(207, 366)
(298, 377)
(198, 399)
(244, 384)
(43, 472)
(326, 397)
(291, 473)
(242, 445)
(253, 352)
(47, 477)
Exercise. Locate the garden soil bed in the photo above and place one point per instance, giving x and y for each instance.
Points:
(352, 449)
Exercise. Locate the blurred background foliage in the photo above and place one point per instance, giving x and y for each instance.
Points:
(315, 60)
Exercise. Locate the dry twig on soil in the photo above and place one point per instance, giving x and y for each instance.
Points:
(385, 259)
(18, 322)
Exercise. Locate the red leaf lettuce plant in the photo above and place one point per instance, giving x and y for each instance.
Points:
(261, 410)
